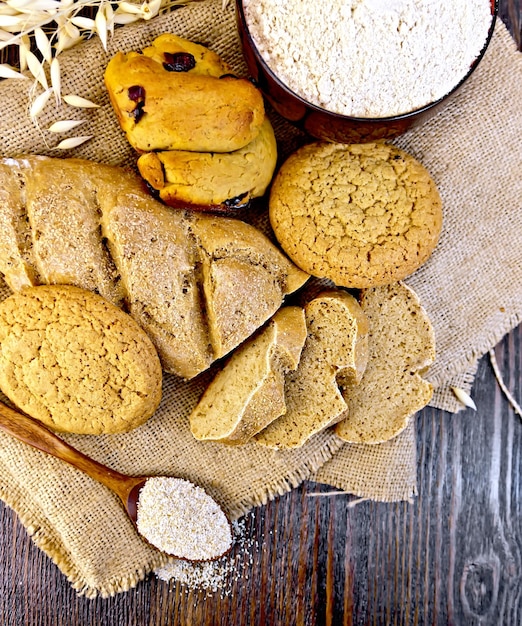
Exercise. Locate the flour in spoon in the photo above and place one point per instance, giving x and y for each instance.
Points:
(179, 518)
(369, 58)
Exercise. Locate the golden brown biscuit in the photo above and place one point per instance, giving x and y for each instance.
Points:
(361, 215)
(212, 180)
(76, 362)
(171, 99)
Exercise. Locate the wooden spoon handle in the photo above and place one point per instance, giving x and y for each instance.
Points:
(32, 432)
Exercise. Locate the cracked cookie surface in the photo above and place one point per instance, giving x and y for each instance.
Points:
(361, 215)
(76, 362)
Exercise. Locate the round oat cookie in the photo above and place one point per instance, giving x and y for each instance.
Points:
(76, 362)
(361, 215)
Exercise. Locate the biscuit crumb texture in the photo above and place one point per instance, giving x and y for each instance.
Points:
(76, 362)
(362, 215)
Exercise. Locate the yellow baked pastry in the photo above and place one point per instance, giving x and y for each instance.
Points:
(179, 96)
(174, 49)
(212, 180)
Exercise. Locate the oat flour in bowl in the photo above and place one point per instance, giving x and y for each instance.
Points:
(369, 58)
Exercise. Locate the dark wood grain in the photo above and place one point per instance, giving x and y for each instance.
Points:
(453, 556)
(510, 12)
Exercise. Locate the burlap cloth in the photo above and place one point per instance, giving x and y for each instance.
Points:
(470, 288)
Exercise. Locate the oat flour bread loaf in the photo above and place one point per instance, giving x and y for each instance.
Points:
(362, 215)
(213, 180)
(402, 347)
(178, 95)
(198, 284)
(49, 228)
(76, 362)
(335, 353)
(248, 393)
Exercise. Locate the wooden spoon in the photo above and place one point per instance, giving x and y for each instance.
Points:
(128, 488)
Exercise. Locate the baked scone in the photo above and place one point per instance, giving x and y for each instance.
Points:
(198, 284)
(171, 48)
(361, 215)
(179, 96)
(248, 393)
(213, 180)
(402, 347)
(335, 353)
(76, 362)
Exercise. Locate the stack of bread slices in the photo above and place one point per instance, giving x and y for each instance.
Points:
(334, 362)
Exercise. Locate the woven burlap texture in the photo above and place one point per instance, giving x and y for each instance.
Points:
(470, 288)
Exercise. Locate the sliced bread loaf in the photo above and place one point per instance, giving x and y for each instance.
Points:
(157, 258)
(234, 255)
(335, 349)
(199, 286)
(55, 225)
(248, 393)
(215, 181)
(402, 347)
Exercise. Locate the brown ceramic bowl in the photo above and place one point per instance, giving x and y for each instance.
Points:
(323, 124)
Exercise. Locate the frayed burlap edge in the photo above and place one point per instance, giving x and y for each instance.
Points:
(45, 538)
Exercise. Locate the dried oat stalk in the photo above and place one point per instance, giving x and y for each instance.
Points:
(43, 29)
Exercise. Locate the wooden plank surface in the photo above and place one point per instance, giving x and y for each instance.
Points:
(452, 556)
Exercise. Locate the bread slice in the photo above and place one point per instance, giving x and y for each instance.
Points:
(76, 362)
(402, 347)
(248, 393)
(335, 350)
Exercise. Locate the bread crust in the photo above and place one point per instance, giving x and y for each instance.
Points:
(212, 181)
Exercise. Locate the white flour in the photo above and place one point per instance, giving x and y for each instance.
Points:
(369, 58)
